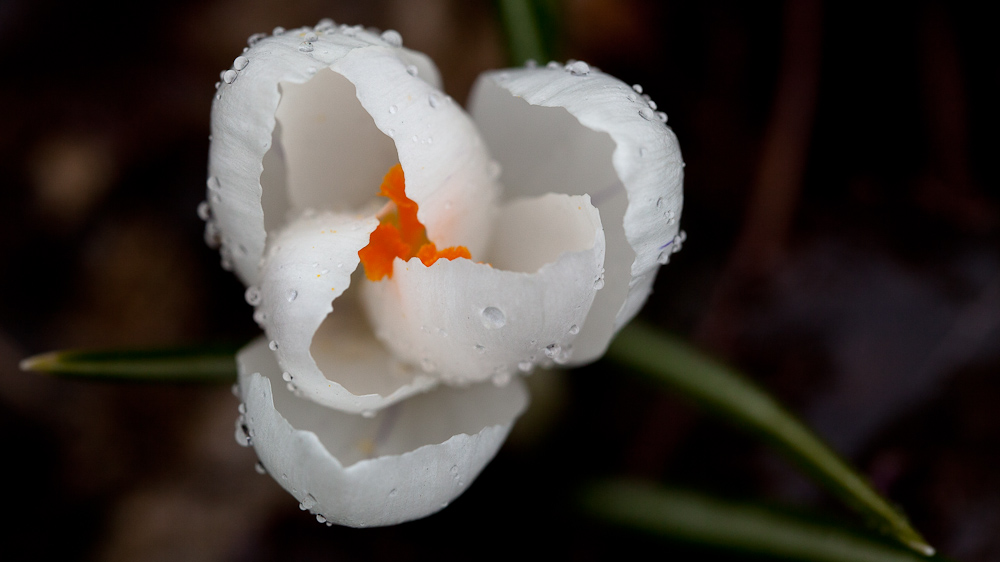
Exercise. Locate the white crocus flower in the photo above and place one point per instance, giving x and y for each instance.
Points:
(385, 409)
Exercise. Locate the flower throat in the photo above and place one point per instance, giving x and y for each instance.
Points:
(400, 234)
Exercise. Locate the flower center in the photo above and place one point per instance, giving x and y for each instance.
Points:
(400, 234)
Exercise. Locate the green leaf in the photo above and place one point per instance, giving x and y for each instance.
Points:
(524, 36)
(728, 394)
(187, 365)
(690, 517)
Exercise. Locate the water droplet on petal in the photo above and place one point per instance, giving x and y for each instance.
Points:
(278, 31)
(241, 62)
(242, 433)
(310, 37)
(493, 317)
(434, 99)
(525, 366)
(292, 295)
(393, 492)
(664, 257)
(308, 502)
(659, 202)
(646, 113)
(552, 350)
(204, 211)
(229, 76)
(242, 408)
(651, 104)
(259, 316)
(306, 47)
(392, 109)
(235, 389)
(392, 37)
(553, 65)
(272, 345)
(259, 468)
(637, 88)
(311, 70)
(286, 376)
(574, 330)
(411, 70)
(501, 379)
(599, 282)
(320, 518)
(661, 117)
(480, 348)
(253, 39)
(252, 295)
(578, 68)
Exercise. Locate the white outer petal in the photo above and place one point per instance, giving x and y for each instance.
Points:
(422, 454)
(540, 152)
(466, 322)
(309, 265)
(243, 118)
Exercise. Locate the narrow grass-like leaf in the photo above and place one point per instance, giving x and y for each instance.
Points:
(728, 394)
(524, 37)
(214, 365)
(690, 517)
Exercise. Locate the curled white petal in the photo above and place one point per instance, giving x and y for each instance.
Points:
(405, 463)
(330, 355)
(466, 322)
(577, 130)
(341, 89)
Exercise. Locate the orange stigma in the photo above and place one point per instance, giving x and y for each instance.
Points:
(400, 234)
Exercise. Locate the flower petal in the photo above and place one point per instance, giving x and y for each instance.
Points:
(309, 264)
(466, 322)
(282, 119)
(576, 130)
(406, 463)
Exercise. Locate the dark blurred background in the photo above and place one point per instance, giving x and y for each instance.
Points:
(843, 249)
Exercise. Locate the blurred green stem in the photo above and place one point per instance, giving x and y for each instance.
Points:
(681, 368)
(212, 365)
(524, 36)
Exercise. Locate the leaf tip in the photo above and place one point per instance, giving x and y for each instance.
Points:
(43, 362)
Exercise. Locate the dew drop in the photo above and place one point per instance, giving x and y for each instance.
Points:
(574, 330)
(493, 317)
(306, 47)
(240, 62)
(292, 295)
(664, 257)
(659, 202)
(578, 68)
(630, 97)
(651, 104)
(242, 434)
(525, 366)
(392, 109)
(307, 502)
(278, 31)
(434, 99)
(229, 76)
(501, 379)
(393, 493)
(259, 468)
(272, 345)
(255, 38)
(480, 348)
(661, 117)
(392, 37)
(235, 389)
(217, 85)
(453, 471)
(320, 518)
(414, 138)
(259, 316)
(204, 211)
(553, 65)
(599, 282)
(646, 113)
(311, 70)
(242, 408)
(310, 37)
(286, 376)
(637, 88)
(391, 133)
(252, 295)
(552, 350)
(411, 70)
